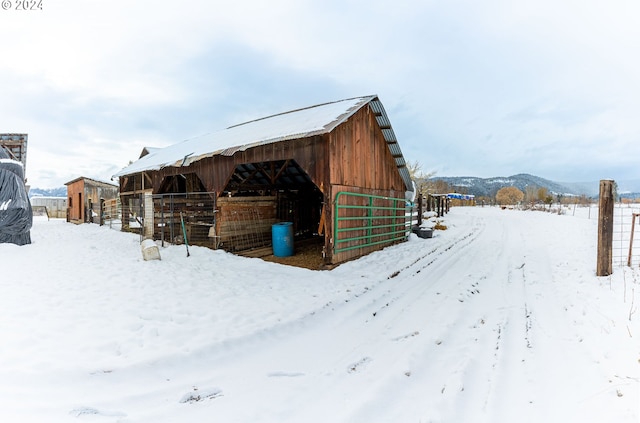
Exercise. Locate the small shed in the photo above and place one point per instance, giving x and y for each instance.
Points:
(334, 170)
(84, 199)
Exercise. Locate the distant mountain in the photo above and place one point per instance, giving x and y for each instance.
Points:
(489, 186)
(49, 192)
(629, 189)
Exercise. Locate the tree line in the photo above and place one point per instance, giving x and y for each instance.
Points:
(532, 197)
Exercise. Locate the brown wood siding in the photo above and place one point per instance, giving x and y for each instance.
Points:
(360, 157)
(83, 193)
(214, 172)
(360, 162)
(94, 193)
(76, 208)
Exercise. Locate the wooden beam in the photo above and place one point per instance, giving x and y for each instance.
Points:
(282, 169)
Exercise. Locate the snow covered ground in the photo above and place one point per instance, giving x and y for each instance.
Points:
(499, 318)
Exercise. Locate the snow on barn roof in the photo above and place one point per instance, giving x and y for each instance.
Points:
(91, 180)
(300, 123)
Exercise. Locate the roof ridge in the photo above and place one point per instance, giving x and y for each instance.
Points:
(369, 97)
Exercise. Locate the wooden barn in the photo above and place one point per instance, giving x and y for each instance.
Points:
(334, 170)
(84, 199)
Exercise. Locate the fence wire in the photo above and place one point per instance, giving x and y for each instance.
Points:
(185, 215)
(112, 214)
(626, 235)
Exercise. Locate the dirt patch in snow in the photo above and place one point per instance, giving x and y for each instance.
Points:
(307, 254)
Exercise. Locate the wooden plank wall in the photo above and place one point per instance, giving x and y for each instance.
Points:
(75, 193)
(215, 172)
(359, 155)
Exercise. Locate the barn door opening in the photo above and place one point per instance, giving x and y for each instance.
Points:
(286, 192)
(80, 208)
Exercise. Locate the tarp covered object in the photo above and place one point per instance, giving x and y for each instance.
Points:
(16, 217)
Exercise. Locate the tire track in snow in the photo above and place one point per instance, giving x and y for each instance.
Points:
(436, 260)
(477, 335)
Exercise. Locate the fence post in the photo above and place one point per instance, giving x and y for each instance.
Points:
(419, 210)
(633, 229)
(147, 218)
(605, 229)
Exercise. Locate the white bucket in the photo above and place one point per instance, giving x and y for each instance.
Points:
(150, 250)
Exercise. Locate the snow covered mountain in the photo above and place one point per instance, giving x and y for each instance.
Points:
(489, 186)
(48, 192)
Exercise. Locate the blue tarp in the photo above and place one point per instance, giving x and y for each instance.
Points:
(457, 196)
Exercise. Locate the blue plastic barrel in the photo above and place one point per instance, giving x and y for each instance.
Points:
(282, 239)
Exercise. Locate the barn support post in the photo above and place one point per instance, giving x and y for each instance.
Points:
(604, 265)
(148, 216)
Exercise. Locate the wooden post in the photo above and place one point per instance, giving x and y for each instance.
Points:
(605, 229)
(147, 230)
(419, 210)
(633, 229)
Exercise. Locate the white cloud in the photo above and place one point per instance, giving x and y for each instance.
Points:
(459, 79)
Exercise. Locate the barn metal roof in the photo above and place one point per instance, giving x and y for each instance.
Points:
(295, 124)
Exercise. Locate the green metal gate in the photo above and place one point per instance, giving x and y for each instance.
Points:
(364, 220)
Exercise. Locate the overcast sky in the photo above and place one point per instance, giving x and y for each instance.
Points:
(472, 88)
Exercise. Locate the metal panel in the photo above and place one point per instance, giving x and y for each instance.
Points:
(390, 137)
(363, 221)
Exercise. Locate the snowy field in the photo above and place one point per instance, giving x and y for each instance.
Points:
(499, 318)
